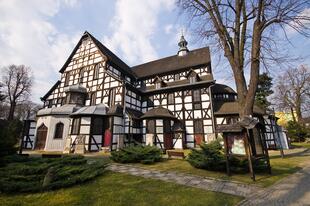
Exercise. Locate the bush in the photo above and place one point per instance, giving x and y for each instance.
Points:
(10, 132)
(36, 174)
(137, 154)
(297, 132)
(209, 156)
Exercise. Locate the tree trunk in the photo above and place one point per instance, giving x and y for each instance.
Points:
(12, 110)
(298, 114)
(255, 63)
(293, 115)
(298, 107)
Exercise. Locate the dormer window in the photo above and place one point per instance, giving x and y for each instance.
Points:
(158, 85)
(158, 82)
(192, 79)
(192, 76)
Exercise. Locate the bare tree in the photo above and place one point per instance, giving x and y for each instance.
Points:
(293, 91)
(2, 96)
(245, 32)
(26, 110)
(18, 82)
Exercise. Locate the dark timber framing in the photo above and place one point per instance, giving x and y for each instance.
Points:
(185, 88)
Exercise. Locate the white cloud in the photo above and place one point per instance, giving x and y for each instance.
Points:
(28, 37)
(133, 27)
(168, 28)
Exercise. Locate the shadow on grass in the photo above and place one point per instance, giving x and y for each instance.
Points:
(301, 153)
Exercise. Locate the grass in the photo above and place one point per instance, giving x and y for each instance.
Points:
(280, 168)
(301, 144)
(121, 189)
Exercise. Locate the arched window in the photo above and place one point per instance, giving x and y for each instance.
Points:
(112, 94)
(93, 98)
(150, 126)
(96, 71)
(81, 75)
(67, 79)
(59, 128)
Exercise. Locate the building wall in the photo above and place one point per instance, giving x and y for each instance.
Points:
(183, 108)
(50, 122)
(82, 69)
(83, 130)
(178, 75)
(92, 69)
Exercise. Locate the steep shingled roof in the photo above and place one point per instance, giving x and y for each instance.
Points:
(158, 112)
(224, 108)
(111, 56)
(173, 63)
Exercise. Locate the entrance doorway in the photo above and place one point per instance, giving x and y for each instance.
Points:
(41, 137)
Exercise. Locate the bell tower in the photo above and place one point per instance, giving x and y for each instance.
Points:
(183, 50)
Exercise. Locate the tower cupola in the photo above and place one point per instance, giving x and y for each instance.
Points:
(183, 50)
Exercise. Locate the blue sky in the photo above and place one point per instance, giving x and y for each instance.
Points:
(42, 34)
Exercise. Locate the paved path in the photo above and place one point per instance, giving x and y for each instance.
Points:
(293, 190)
(210, 184)
(290, 191)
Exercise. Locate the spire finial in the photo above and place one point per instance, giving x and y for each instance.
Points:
(182, 45)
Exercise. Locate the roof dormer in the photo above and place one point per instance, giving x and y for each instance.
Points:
(192, 76)
(159, 83)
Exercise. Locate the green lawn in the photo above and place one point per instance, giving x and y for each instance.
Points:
(120, 189)
(280, 169)
(301, 144)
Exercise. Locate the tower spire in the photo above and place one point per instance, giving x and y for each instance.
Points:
(183, 50)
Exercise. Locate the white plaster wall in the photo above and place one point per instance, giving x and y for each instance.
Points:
(57, 144)
(50, 122)
(178, 144)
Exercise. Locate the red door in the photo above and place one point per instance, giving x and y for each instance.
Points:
(107, 138)
(41, 137)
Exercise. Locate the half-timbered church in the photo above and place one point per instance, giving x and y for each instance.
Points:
(171, 102)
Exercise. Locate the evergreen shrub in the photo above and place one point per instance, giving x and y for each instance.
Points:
(10, 132)
(297, 132)
(137, 154)
(209, 156)
(31, 175)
